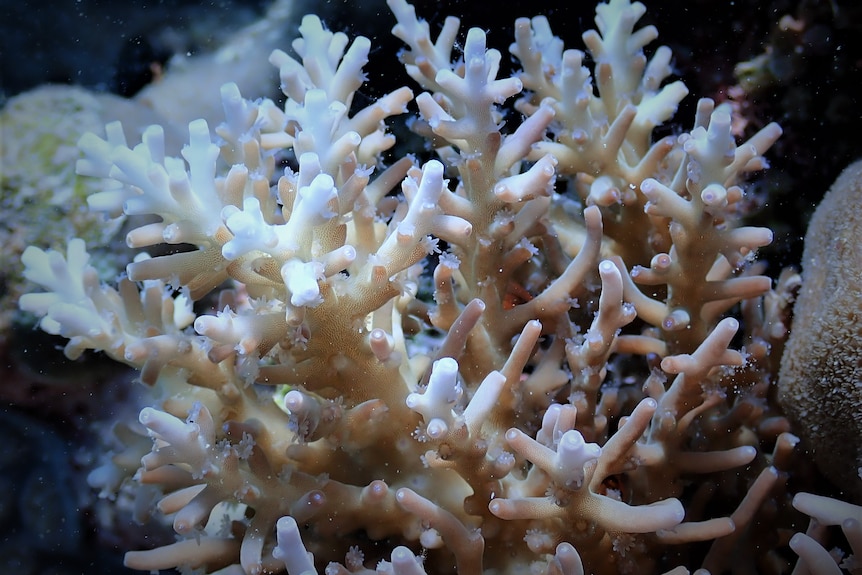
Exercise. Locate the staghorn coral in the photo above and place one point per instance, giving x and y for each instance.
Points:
(45, 201)
(825, 512)
(542, 400)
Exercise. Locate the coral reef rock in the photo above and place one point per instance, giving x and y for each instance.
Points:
(819, 382)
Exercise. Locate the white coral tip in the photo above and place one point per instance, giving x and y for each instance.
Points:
(301, 281)
(572, 454)
(290, 549)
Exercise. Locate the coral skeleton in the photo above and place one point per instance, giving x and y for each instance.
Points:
(518, 351)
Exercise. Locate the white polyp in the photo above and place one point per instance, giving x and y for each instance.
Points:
(660, 262)
(234, 107)
(184, 314)
(603, 192)
(309, 168)
(676, 320)
(313, 200)
(199, 141)
(607, 267)
(301, 279)
(442, 385)
(338, 259)
(406, 232)
(381, 344)
(572, 454)
(452, 228)
(167, 427)
(404, 562)
(437, 428)
(154, 140)
(430, 539)
(440, 396)
(483, 401)
(431, 110)
(534, 182)
(290, 549)
(250, 230)
(714, 195)
(293, 400)
(545, 435)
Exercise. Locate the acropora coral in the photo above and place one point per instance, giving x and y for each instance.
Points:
(543, 344)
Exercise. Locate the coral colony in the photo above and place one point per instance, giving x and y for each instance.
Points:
(515, 357)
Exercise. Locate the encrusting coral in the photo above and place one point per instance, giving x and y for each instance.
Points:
(820, 369)
(542, 401)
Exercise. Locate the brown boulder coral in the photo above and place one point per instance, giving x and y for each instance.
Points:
(820, 383)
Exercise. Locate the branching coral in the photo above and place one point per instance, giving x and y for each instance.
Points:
(480, 423)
